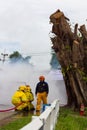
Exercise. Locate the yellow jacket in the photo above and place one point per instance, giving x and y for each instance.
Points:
(19, 97)
(29, 95)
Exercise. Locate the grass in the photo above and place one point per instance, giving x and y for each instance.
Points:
(18, 123)
(70, 120)
(67, 120)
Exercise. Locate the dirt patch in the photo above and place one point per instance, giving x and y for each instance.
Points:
(7, 119)
(10, 117)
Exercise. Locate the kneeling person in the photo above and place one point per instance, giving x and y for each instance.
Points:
(19, 99)
(30, 97)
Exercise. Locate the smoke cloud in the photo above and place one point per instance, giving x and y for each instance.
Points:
(12, 76)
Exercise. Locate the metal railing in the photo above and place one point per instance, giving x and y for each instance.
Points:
(47, 120)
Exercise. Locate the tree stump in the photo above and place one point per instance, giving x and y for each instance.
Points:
(71, 51)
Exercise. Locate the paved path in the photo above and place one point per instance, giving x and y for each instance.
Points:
(4, 115)
(7, 116)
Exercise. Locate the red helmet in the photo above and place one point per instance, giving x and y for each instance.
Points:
(41, 78)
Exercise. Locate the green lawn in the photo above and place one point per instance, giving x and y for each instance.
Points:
(70, 120)
(67, 120)
(18, 123)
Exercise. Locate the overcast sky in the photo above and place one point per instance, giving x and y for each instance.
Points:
(26, 22)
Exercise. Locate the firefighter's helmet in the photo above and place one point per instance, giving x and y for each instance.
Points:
(22, 88)
(41, 78)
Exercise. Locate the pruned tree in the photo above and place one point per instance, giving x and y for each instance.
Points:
(71, 51)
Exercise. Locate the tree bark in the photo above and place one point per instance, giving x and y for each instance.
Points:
(71, 51)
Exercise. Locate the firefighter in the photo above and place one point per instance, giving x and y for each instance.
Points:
(19, 99)
(30, 97)
(41, 91)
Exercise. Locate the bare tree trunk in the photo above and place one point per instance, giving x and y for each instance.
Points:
(71, 51)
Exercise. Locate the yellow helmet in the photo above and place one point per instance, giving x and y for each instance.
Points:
(28, 88)
(22, 88)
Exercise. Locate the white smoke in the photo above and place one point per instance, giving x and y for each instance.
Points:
(12, 76)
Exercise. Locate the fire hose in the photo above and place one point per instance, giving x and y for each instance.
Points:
(13, 108)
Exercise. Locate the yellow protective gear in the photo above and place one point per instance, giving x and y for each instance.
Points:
(41, 97)
(30, 106)
(29, 94)
(19, 99)
(22, 88)
(41, 78)
(30, 98)
(28, 86)
(28, 89)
